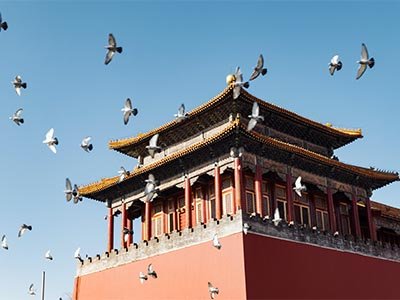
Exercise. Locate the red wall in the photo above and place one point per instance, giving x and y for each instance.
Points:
(289, 270)
(182, 274)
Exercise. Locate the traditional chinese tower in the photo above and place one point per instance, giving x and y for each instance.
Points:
(214, 177)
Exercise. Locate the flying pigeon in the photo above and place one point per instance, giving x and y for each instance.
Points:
(112, 48)
(48, 255)
(212, 290)
(86, 145)
(4, 243)
(151, 272)
(77, 255)
(239, 83)
(51, 140)
(128, 110)
(246, 228)
(127, 233)
(259, 69)
(298, 187)
(277, 218)
(335, 65)
(123, 174)
(17, 118)
(181, 115)
(3, 25)
(152, 148)
(23, 229)
(18, 84)
(254, 117)
(142, 277)
(76, 194)
(31, 290)
(216, 242)
(364, 61)
(150, 190)
(68, 189)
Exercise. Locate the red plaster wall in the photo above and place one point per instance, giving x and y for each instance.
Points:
(279, 269)
(182, 274)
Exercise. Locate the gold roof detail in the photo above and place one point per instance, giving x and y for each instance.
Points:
(132, 141)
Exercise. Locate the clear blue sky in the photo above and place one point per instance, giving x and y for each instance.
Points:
(173, 52)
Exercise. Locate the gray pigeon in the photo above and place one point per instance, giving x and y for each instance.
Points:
(238, 84)
(4, 243)
(127, 233)
(254, 117)
(51, 141)
(335, 65)
(23, 229)
(212, 290)
(151, 272)
(31, 290)
(364, 61)
(259, 69)
(128, 110)
(68, 189)
(123, 174)
(142, 277)
(48, 255)
(76, 195)
(86, 145)
(181, 115)
(152, 148)
(216, 242)
(18, 84)
(17, 118)
(3, 25)
(112, 48)
(150, 190)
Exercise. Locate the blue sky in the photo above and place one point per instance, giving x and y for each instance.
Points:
(174, 52)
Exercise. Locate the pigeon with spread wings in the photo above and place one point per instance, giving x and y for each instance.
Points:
(112, 48)
(17, 117)
(128, 110)
(335, 65)
(259, 68)
(364, 61)
(51, 141)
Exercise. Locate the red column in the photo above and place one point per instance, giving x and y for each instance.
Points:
(188, 202)
(147, 221)
(356, 218)
(123, 224)
(130, 226)
(258, 189)
(110, 219)
(331, 210)
(371, 224)
(289, 198)
(238, 185)
(218, 193)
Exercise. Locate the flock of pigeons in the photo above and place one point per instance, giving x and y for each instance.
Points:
(150, 191)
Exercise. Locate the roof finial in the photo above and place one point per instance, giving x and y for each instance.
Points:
(231, 78)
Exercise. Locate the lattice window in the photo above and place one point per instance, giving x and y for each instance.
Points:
(249, 183)
(250, 202)
(302, 214)
(322, 219)
(226, 183)
(227, 203)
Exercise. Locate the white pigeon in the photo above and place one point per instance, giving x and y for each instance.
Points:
(212, 290)
(86, 145)
(31, 290)
(236, 152)
(298, 187)
(150, 190)
(335, 65)
(246, 228)
(68, 189)
(152, 148)
(151, 272)
(18, 84)
(48, 255)
(24, 228)
(77, 253)
(51, 140)
(3, 25)
(181, 115)
(142, 277)
(127, 233)
(4, 243)
(112, 48)
(123, 174)
(76, 194)
(17, 118)
(364, 61)
(254, 117)
(216, 242)
(277, 218)
(128, 110)
(238, 84)
(259, 69)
